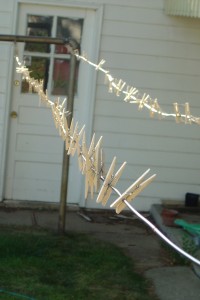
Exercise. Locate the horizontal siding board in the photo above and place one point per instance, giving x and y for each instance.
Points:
(149, 47)
(156, 158)
(166, 98)
(146, 31)
(122, 109)
(152, 127)
(160, 143)
(148, 15)
(181, 82)
(151, 63)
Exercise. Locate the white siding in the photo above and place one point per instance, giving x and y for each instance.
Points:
(158, 54)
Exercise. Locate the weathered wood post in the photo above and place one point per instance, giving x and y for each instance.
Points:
(66, 158)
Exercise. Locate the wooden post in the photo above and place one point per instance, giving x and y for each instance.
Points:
(65, 165)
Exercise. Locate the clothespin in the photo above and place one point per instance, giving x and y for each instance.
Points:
(187, 113)
(110, 83)
(109, 182)
(69, 135)
(62, 105)
(54, 114)
(87, 169)
(100, 64)
(65, 127)
(136, 188)
(90, 168)
(131, 91)
(119, 85)
(75, 140)
(80, 155)
(177, 113)
(97, 164)
(62, 132)
(62, 123)
(143, 101)
(155, 108)
(44, 95)
(102, 170)
(84, 153)
(92, 146)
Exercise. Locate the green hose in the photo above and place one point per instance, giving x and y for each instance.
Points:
(16, 294)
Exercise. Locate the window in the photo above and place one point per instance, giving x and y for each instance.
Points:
(51, 62)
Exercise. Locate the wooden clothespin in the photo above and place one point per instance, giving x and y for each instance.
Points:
(109, 182)
(62, 123)
(91, 167)
(75, 140)
(131, 91)
(143, 101)
(87, 169)
(92, 147)
(80, 156)
(100, 64)
(110, 80)
(102, 170)
(155, 108)
(136, 188)
(54, 114)
(84, 153)
(177, 113)
(187, 114)
(72, 144)
(97, 164)
(119, 85)
(69, 135)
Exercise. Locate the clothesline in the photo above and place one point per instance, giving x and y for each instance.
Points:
(133, 96)
(91, 161)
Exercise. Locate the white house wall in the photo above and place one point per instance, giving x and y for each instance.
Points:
(158, 54)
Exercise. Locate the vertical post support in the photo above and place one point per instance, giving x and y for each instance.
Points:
(65, 165)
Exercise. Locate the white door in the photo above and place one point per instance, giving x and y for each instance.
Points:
(35, 151)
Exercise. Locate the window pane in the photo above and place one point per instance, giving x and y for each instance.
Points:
(60, 82)
(68, 28)
(39, 68)
(38, 26)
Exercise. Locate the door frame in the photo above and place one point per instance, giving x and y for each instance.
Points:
(89, 96)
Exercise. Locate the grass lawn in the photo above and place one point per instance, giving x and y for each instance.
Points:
(43, 266)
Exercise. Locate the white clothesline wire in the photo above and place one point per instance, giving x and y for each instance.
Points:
(59, 115)
(132, 95)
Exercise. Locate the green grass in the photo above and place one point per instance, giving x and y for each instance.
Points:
(44, 266)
